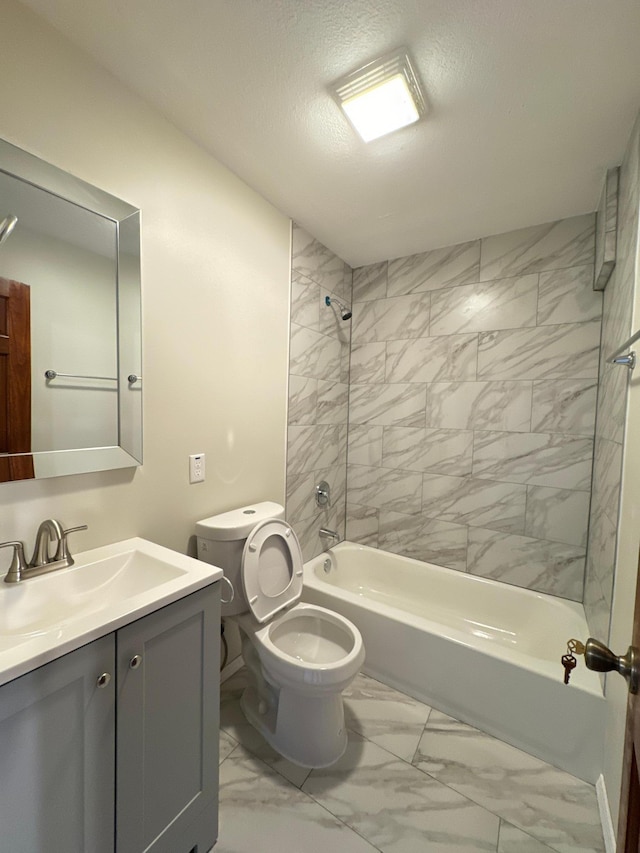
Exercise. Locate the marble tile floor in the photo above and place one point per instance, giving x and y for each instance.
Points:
(412, 780)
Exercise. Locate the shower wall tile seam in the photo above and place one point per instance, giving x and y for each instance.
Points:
(531, 405)
(477, 370)
(545, 326)
(563, 410)
(321, 416)
(579, 549)
(568, 435)
(316, 331)
(558, 244)
(564, 549)
(540, 271)
(307, 281)
(456, 520)
(473, 453)
(482, 241)
(480, 332)
(488, 480)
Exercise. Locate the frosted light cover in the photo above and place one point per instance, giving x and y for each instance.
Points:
(382, 109)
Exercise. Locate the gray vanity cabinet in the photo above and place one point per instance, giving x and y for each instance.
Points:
(167, 746)
(57, 741)
(128, 761)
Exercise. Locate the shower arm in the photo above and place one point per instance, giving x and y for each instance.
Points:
(345, 313)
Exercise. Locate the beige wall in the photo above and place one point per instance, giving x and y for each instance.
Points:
(626, 566)
(215, 261)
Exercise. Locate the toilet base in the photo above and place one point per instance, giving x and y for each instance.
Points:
(308, 731)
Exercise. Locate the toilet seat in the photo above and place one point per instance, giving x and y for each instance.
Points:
(272, 570)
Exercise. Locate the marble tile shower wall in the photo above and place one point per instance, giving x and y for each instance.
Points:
(318, 390)
(612, 401)
(474, 376)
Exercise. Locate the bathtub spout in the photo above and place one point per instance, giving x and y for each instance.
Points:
(329, 534)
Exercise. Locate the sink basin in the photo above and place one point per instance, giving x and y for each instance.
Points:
(44, 617)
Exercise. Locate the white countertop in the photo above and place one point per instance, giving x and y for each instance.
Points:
(45, 617)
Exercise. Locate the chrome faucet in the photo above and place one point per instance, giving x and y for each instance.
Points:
(329, 534)
(42, 561)
(49, 530)
(18, 563)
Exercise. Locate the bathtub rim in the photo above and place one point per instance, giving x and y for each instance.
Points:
(581, 678)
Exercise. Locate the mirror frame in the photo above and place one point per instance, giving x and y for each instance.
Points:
(17, 163)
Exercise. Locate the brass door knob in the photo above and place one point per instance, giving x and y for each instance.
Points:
(601, 659)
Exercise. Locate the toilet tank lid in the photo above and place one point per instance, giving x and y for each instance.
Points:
(237, 523)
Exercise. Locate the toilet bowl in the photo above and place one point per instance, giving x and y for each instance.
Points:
(300, 657)
(310, 649)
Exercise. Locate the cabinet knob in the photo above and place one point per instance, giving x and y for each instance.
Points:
(103, 679)
(135, 661)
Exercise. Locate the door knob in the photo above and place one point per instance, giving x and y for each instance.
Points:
(601, 659)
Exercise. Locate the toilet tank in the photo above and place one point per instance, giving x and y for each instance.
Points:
(221, 541)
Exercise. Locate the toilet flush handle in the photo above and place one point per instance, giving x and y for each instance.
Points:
(232, 593)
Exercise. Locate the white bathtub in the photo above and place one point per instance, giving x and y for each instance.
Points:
(482, 651)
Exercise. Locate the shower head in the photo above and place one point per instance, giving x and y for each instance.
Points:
(345, 313)
(6, 226)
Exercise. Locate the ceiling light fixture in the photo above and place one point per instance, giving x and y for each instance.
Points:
(382, 96)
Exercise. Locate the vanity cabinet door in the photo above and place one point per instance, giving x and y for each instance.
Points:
(168, 718)
(57, 744)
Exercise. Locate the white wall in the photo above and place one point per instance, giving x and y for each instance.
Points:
(215, 259)
(628, 543)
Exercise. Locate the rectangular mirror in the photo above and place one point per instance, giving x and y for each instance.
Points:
(70, 323)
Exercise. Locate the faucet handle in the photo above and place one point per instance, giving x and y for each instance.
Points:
(18, 563)
(62, 552)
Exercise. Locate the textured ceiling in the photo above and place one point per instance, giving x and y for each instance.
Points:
(530, 101)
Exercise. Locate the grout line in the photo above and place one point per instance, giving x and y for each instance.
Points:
(341, 820)
(414, 767)
(526, 508)
(489, 810)
(229, 754)
(537, 317)
(504, 822)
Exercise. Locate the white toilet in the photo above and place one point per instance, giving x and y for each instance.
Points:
(300, 657)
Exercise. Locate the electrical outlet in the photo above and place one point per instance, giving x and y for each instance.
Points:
(196, 468)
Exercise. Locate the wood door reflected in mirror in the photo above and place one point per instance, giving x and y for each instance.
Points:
(15, 381)
(69, 408)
